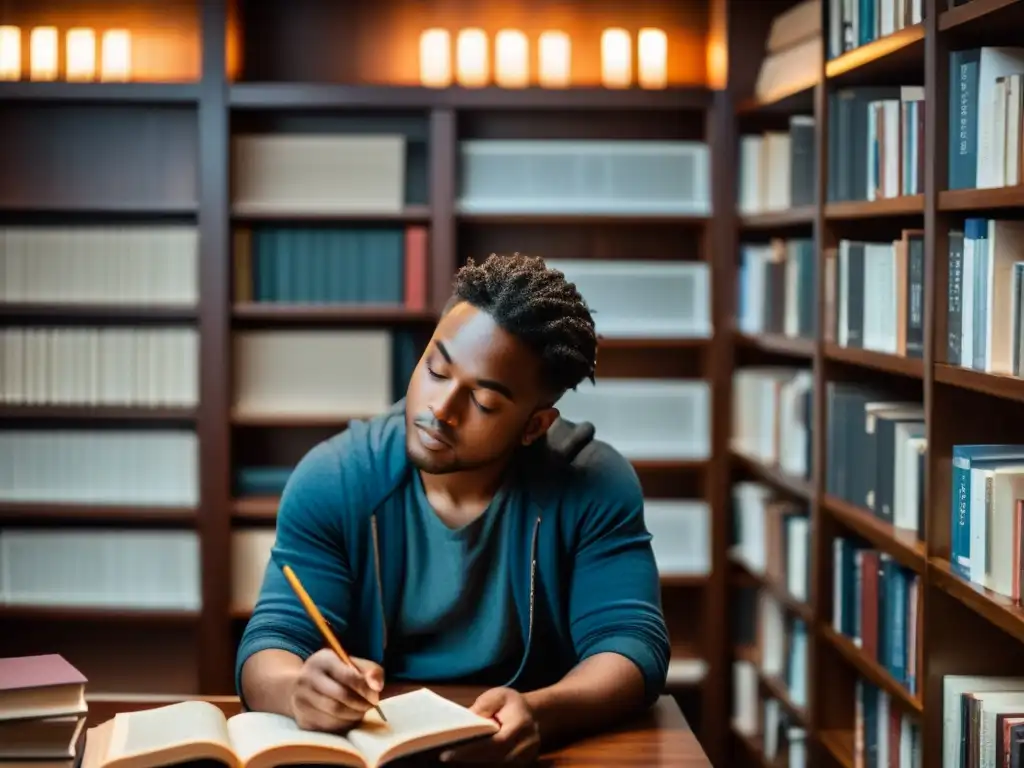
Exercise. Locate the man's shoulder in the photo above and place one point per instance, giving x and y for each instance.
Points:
(356, 468)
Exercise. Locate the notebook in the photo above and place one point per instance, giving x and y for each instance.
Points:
(418, 721)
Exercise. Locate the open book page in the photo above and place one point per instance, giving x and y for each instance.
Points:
(264, 739)
(417, 721)
(185, 731)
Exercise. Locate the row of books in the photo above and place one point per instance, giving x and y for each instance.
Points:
(126, 264)
(765, 721)
(875, 142)
(771, 537)
(874, 294)
(883, 734)
(778, 169)
(149, 468)
(986, 511)
(983, 721)
(777, 288)
(138, 367)
(875, 603)
(875, 453)
(985, 99)
(306, 265)
(853, 24)
(985, 309)
(773, 418)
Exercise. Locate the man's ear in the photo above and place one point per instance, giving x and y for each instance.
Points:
(538, 425)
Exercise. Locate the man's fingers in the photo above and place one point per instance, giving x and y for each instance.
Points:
(344, 697)
(373, 673)
(350, 678)
(489, 702)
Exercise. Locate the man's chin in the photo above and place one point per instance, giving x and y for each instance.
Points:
(425, 461)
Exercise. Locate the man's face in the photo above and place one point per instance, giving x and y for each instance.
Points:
(474, 397)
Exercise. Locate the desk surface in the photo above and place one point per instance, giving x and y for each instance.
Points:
(659, 737)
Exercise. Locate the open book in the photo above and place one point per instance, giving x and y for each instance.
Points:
(194, 730)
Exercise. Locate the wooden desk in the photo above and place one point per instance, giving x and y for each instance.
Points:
(659, 737)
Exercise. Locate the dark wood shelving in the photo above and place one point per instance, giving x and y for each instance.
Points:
(96, 413)
(669, 465)
(112, 93)
(776, 688)
(255, 508)
(981, 199)
(998, 610)
(92, 210)
(100, 314)
(319, 96)
(788, 102)
(113, 614)
(795, 486)
(349, 314)
(412, 214)
(981, 15)
(879, 361)
(907, 205)
(893, 53)
(775, 343)
(904, 546)
(688, 580)
(778, 590)
(839, 745)
(679, 343)
(771, 220)
(996, 384)
(294, 420)
(869, 668)
(574, 219)
(40, 513)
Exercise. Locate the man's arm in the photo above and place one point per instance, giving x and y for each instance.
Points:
(280, 635)
(616, 619)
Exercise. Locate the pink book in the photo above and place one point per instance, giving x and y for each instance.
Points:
(40, 686)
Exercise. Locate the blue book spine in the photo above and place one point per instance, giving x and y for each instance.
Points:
(963, 119)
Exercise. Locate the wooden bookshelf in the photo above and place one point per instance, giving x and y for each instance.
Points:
(962, 627)
(171, 137)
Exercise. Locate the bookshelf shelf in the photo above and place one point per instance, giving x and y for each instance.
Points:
(582, 218)
(777, 344)
(38, 513)
(869, 668)
(95, 413)
(412, 214)
(902, 545)
(320, 314)
(907, 205)
(997, 385)
(652, 343)
(787, 102)
(981, 199)
(795, 486)
(320, 96)
(113, 614)
(777, 689)
(879, 361)
(998, 610)
(684, 580)
(839, 745)
(294, 420)
(255, 508)
(979, 14)
(98, 93)
(800, 216)
(893, 53)
(100, 314)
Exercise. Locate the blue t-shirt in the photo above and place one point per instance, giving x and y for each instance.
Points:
(458, 619)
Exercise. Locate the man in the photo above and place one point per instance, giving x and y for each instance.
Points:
(470, 536)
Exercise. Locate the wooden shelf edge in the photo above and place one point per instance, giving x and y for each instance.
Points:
(798, 216)
(837, 743)
(258, 508)
(995, 384)
(512, 217)
(777, 590)
(906, 205)
(410, 214)
(972, 11)
(785, 99)
(994, 608)
(903, 546)
(981, 199)
(96, 413)
(778, 690)
(96, 613)
(102, 314)
(270, 312)
(46, 513)
(123, 93)
(777, 344)
(796, 486)
(874, 51)
(870, 669)
(879, 361)
(290, 96)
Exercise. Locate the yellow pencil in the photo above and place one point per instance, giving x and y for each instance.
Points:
(321, 623)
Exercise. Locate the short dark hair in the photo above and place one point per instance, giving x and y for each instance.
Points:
(535, 303)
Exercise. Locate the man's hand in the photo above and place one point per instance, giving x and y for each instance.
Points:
(331, 696)
(518, 740)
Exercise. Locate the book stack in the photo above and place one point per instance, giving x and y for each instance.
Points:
(42, 712)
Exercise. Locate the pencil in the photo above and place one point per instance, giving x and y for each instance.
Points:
(321, 624)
